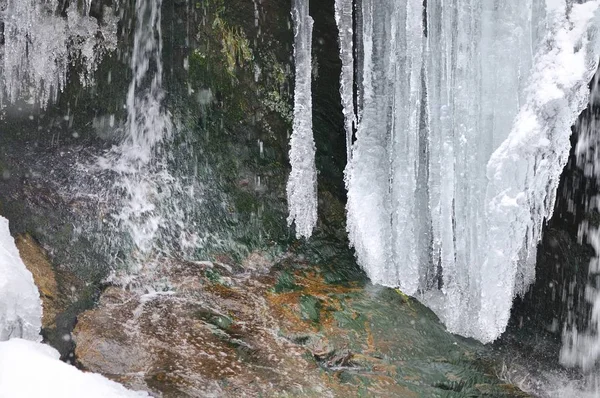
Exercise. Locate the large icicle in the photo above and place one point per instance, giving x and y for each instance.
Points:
(344, 20)
(463, 133)
(367, 173)
(476, 78)
(302, 183)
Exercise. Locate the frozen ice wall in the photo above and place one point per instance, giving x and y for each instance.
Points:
(20, 304)
(463, 133)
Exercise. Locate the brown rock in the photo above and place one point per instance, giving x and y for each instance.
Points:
(37, 263)
(201, 339)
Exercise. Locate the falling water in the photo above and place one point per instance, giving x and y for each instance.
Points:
(137, 158)
(581, 348)
(149, 202)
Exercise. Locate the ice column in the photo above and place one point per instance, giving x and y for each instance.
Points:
(302, 183)
(344, 20)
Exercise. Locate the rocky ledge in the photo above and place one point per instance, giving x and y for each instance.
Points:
(276, 327)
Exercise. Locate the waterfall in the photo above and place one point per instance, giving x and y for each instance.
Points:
(302, 183)
(154, 204)
(463, 132)
(582, 347)
(136, 160)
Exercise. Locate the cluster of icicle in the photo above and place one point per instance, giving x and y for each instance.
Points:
(40, 42)
(456, 145)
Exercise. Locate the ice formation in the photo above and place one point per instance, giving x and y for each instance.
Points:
(464, 126)
(344, 18)
(525, 170)
(29, 369)
(20, 304)
(302, 183)
(40, 44)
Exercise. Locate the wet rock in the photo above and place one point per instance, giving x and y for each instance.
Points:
(196, 340)
(37, 263)
(239, 335)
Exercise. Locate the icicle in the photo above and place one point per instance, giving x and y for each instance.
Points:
(344, 21)
(367, 173)
(38, 45)
(302, 183)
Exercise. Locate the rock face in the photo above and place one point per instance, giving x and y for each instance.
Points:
(37, 263)
(283, 331)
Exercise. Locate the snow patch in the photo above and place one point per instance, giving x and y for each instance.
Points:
(20, 304)
(29, 369)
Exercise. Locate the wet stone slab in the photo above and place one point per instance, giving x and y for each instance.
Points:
(279, 330)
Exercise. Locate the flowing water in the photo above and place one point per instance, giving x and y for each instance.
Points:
(137, 160)
(581, 335)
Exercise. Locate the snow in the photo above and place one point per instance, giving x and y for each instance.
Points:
(20, 304)
(302, 182)
(29, 369)
(461, 140)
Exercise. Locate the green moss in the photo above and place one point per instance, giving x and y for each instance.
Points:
(285, 283)
(310, 308)
(213, 276)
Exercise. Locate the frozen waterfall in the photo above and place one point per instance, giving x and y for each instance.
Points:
(464, 123)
